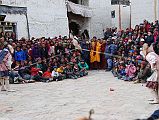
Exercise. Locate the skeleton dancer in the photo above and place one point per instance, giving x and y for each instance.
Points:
(153, 80)
(5, 66)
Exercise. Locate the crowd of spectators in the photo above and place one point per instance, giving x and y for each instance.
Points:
(130, 63)
(45, 60)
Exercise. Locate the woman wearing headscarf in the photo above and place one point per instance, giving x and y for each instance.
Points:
(153, 80)
(5, 66)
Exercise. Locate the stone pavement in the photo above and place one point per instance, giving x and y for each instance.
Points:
(71, 99)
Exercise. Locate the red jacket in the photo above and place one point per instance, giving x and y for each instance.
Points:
(47, 74)
(34, 71)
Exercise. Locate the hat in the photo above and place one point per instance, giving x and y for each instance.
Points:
(138, 57)
(142, 40)
(131, 51)
(82, 60)
(54, 67)
(145, 48)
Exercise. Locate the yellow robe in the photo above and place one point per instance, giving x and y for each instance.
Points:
(92, 54)
(98, 49)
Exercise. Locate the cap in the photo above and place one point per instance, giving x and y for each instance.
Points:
(142, 40)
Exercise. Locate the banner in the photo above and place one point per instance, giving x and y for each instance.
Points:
(79, 9)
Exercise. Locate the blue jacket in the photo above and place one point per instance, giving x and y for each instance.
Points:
(20, 55)
(113, 49)
(107, 51)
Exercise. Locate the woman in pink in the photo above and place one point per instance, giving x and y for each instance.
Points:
(153, 80)
(5, 66)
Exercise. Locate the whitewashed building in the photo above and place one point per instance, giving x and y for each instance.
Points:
(144, 9)
(51, 18)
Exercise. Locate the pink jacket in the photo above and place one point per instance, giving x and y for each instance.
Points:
(130, 70)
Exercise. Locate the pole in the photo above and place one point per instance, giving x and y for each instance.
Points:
(155, 9)
(119, 16)
(26, 15)
(130, 15)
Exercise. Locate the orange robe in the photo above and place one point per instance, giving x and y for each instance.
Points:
(98, 49)
(92, 53)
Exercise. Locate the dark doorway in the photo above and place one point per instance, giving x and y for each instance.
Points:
(2, 17)
(74, 28)
(74, 1)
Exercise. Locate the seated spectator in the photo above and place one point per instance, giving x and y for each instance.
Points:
(76, 71)
(121, 71)
(19, 54)
(68, 71)
(36, 75)
(144, 73)
(47, 75)
(130, 72)
(55, 75)
(60, 70)
(83, 68)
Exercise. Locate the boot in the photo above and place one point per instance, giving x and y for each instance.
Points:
(7, 85)
(3, 84)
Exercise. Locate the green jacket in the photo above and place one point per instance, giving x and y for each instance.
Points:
(85, 65)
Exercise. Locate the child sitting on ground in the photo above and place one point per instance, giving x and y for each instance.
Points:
(69, 72)
(56, 76)
(130, 72)
(76, 70)
(60, 70)
(121, 71)
(83, 68)
(47, 75)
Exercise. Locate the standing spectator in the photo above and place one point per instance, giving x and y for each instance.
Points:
(44, 51)
(150, 38)
(108, 55)
(36, 51)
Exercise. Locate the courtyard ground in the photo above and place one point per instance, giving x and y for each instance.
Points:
(71, 99)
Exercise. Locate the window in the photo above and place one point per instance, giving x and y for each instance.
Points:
(81, 2)
(123, 2)
(113, 14)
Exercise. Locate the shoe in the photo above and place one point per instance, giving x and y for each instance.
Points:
(107, 70)
(136, 81)
(11, 91)
(154, 102)
(47, 81)
(150, 118)
(143, 81)
(3, 90)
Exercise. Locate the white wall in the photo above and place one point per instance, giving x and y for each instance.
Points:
(46, 17)
(101, 17)
(125, 16)
(142, 9)
(21, 24)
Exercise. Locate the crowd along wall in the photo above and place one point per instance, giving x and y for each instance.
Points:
(46, 17)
